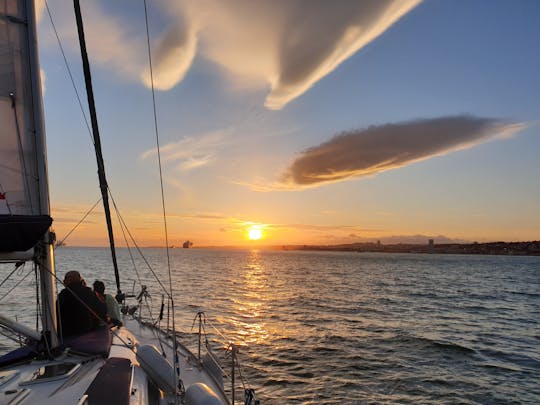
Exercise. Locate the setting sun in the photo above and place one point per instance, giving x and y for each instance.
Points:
(255, 233)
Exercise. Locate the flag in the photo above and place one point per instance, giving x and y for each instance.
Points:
(2, 196)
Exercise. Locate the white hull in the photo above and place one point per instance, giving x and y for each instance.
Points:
(132, 382)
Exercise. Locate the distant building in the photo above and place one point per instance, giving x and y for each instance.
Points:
(431, 243)
(187, 244)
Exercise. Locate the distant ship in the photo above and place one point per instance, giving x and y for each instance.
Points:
(187, 244)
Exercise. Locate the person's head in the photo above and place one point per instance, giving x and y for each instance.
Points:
(72, 277)
(99, 287)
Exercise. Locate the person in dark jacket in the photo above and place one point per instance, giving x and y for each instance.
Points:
(80, 310)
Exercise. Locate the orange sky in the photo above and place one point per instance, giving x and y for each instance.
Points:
(367, 120)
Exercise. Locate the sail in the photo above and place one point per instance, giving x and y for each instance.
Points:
(24, 204)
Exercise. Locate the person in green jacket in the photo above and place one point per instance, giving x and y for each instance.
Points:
(113, 309)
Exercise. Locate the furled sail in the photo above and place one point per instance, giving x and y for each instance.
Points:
(24, 206)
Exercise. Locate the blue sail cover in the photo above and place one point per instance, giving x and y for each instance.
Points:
(21, 232)
(23, 210)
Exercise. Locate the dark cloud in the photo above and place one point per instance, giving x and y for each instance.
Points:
(379, 148)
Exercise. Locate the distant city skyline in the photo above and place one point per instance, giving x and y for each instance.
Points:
(301, 122)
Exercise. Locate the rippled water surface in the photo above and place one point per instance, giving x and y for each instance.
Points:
(324, 327)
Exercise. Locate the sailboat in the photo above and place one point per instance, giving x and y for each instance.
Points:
(137, 363)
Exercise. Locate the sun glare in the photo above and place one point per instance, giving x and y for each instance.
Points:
(255, 233)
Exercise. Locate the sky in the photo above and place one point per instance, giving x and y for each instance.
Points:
(308, 121)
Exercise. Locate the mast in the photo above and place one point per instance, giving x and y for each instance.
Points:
(97, 141)
(44, 250)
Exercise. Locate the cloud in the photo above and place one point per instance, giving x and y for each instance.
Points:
(113, 41)
(288, 45)
(284, 46)
(172, 57)
(377, 149)
(190, 152)
(322, 228)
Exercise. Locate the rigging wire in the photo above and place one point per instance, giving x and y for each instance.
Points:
(66, 63)
(97, 142)
(139, 249)
(9, 334)
(69, 70)
(127, 343)
(158, 147)
(61, 242)
(149, 307)
(175, 344)
(16, 285)
(17, 265)
(38, 314)
(125, 239)
(243, 379)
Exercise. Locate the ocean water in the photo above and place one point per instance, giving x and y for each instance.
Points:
(344, 328)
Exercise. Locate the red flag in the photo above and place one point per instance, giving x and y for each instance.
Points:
(2, 196)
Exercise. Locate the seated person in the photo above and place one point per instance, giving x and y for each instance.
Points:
(80, 311)
(113, 309)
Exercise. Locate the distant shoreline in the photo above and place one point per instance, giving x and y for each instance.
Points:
(531, 248)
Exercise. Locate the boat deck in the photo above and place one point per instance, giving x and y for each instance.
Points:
(102, 368)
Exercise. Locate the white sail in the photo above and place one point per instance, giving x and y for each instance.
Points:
(23, 179)
(24, 194)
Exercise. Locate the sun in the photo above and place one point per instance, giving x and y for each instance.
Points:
(255, 233)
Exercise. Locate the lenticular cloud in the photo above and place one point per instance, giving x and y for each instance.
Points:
(379, 148)
(285, 45)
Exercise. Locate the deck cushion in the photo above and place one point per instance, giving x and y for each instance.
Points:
(112, 385)
(95, 342)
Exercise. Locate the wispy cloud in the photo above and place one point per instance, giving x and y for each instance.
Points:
(377, 149)
(323, 228)
(113, 41)
(190, 152)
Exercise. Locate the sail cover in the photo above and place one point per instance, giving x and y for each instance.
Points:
(23, 217)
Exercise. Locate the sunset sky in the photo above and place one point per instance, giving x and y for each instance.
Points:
(312, 121)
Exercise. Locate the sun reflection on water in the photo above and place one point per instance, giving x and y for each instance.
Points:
(251, 303)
